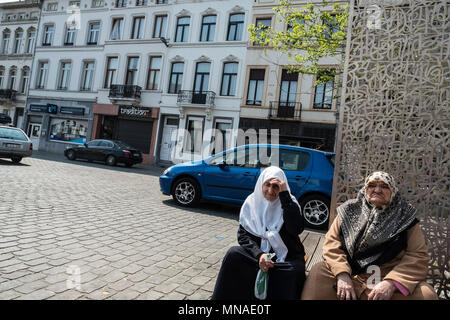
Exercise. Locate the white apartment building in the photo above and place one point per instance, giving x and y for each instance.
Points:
(187, 58)
(137, 71)
(18, 25)
(63, 87)
(304, 114)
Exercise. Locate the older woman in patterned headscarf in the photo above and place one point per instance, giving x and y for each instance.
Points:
(374, 249)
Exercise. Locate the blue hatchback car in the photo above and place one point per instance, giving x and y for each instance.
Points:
(231, 176)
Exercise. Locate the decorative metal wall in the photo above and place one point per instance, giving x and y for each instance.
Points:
(395, 113)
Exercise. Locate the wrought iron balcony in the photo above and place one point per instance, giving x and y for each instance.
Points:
(186, 97)
(285, 109)
(125, 92)
(8, 94)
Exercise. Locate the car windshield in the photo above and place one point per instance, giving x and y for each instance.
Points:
(123, 145)
(14, 134)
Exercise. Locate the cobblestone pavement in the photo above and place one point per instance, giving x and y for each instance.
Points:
(79, 230)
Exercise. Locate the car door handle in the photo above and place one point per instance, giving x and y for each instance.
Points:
(300, 178)
(248, 174)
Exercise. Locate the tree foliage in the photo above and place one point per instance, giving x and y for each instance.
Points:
(314, 31)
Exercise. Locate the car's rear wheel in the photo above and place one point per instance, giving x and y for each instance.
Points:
(128, 165)
(186, 192)
(16, 159)
(111, 160)
(71, 155)
(316, 211)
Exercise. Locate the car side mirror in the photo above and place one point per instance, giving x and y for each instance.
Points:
(222, 165)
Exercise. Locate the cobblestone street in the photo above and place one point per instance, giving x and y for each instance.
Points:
(112, 226)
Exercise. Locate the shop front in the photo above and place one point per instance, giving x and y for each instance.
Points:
(134, 125)
(320, 136)
(52, 126)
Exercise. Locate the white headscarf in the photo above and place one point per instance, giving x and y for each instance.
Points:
(264, 218)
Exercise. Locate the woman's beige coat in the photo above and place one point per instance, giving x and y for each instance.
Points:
(409, 268)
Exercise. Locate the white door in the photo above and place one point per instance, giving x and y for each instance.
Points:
(34, 132)
(19, 122)
(167, 145)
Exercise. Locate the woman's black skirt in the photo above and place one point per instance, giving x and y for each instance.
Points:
(236, 279)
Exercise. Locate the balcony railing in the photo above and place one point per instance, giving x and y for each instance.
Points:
(8, 94)
(285, 109)
(125, 91)
(196, 97)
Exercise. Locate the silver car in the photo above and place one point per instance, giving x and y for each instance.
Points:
(14, 144)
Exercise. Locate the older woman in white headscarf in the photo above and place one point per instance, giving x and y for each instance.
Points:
(374, 250)
(270, 222)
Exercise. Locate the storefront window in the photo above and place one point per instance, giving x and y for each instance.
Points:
(68, 130)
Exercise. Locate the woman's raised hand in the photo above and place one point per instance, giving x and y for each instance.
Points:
(281, 184)
(264, 263)
(345, 289)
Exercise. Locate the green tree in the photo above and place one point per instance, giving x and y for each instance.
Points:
(314, 31)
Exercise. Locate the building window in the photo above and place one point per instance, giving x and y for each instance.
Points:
(97, 3)
(111, 71)
(94, 31)
(208, 28)
(235, 27)
(25, 80)
(121, 3)
(64, 75)
(201, 79)
(132, 70)
(70, 130)
(138, 27)
(223, 129)
(71, 32)
(116, 31)
(2, 76)
(323, 93)
(182, 29)
(52, 6)
(49, 30)
(12, 78)
(288, 89)
(162, 1)
(255, 87)
(74, 4)
(30, 41)
(18, 42)
(42, 75)
(332, 26)
(194, 140)
(264, 23)
(153, 73)
(229, 77)
(5, 44)
(88, 76)
(140, 3)
(160, 27)
(176, 77)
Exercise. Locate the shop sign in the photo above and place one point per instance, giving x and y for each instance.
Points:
(72, 110)
(135, 112)
(38, 108)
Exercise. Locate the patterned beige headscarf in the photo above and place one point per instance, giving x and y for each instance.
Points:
(386, 178)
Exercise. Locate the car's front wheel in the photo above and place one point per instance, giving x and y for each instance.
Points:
(186, 192)
(16, 159)
(316, 211)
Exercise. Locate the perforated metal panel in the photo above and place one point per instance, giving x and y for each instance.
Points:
(394, 113)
